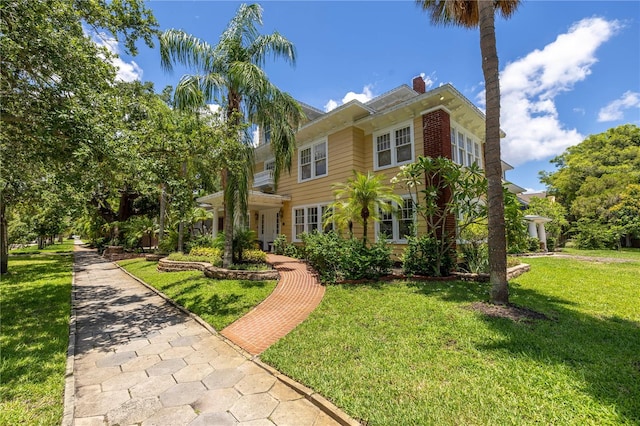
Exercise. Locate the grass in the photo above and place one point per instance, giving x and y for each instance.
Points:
(65, 247)
(35, 306)
(623, 253)
(409, 353)
(219, 302)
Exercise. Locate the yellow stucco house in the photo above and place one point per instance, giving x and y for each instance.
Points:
(380, 136)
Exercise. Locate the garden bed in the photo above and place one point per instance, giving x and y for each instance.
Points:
(166, 265)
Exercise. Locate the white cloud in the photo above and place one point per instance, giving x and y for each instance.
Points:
(429, 80)
(363, 97)
(614, 110)
(529, 86)
(126, 71)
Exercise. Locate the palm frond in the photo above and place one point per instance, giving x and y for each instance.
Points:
(272, 44)
(178, 46)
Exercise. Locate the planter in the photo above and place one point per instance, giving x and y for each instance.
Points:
(210, 271)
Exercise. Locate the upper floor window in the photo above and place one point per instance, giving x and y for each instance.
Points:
(465, 150)
(393, 146)
(312, 161)
(267, 133)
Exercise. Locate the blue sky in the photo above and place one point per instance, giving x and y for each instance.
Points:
(569, 69)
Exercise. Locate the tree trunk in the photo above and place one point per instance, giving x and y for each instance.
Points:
(227, 258)
(493, 167)
(4, 240)
(180, 236)
(163, 208)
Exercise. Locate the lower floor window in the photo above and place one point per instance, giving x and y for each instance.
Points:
(309, 219)
(396, 225)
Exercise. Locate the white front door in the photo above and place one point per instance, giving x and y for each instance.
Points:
(268, 227)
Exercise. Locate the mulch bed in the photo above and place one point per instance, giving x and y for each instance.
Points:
(512, 312)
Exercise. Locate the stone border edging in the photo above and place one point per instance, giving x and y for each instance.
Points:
(316, 399)
(210, 271)
(513, 272)
(69, 400)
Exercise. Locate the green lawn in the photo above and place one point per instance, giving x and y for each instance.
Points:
(412, 353)
(623, 253)
(35, 307)
(218, 302)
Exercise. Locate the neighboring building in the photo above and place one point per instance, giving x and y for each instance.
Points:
(380, 135)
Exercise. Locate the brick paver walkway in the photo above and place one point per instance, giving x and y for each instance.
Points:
(137, 360)
(297, 294)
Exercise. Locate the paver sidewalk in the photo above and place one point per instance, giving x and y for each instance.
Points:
(140, 361)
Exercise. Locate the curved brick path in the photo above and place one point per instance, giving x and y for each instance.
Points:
(297, 294)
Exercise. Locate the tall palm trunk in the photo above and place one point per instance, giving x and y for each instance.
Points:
(227, 258)
(4, 241)
(163, 208)
(493, 168)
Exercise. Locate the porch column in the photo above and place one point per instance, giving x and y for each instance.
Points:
(542, 235)
(533, 232)
(214, 227)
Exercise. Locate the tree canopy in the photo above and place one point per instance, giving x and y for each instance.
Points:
(596, 179)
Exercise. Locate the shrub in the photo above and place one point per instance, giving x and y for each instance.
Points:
(533, 244)
(254, 256)
(206, 251)
(421, 257)
(324, 252)
(280, 244)
(200, 241)
(476, 257)
(180, 257)
(596, 236)
(291, 250)
(362, 262)
(551, 243)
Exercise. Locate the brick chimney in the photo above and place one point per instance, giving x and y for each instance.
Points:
(418, 85)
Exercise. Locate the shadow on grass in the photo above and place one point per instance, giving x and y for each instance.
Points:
(35, 316)
(602, 352)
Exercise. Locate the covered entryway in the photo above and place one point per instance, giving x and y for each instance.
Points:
(264, 214)
(268, 227)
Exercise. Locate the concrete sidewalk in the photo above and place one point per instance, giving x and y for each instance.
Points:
(137, 360)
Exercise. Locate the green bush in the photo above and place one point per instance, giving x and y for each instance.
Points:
(200, 241)
(476, 257)
(206, 251)
(254, 256)
(291, 250)
(362, 262)
(180, 257)
(551, 243)
(335, 258)
(324, 252)
(280, 244)
(423, 257)
(596, 236)
(533, 244)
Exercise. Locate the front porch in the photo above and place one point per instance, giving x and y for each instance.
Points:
(264, 215)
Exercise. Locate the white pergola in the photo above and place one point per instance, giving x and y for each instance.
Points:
(536, 228)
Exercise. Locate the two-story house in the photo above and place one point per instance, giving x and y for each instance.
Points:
(379, 135)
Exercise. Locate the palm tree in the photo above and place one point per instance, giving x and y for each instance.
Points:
(473, 14)
(359, 199)
(231, 74)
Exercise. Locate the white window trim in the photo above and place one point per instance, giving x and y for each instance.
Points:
(395, 238)
(455, 127)
(313, 169)
(390, 131)
(305, 209)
